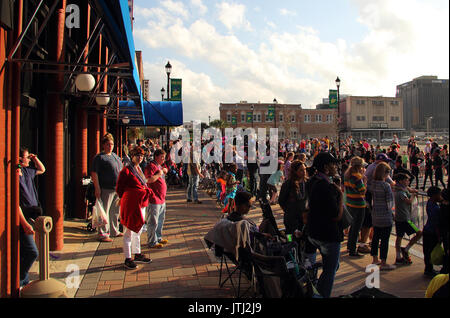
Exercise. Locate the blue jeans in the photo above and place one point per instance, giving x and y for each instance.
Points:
(28, 255)
(156, 214)
(330, 252)
(193, 187)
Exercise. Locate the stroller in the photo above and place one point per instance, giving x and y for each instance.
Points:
(294, 254)
(89, 198)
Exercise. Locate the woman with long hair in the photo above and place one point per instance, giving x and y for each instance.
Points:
(134, 198)
(293, 198)
(355, 191)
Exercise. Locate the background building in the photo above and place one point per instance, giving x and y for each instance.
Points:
(372, 117)
(293, 122)
(425, 97)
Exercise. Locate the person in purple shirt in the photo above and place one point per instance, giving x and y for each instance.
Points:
(431, 229)
(29, 210)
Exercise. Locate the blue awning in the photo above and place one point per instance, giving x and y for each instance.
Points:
(165, 113)
(115, 15)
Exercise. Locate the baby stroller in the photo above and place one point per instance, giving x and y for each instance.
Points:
(90, 199)
(173, 178)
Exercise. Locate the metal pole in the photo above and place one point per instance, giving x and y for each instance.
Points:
(339, 123)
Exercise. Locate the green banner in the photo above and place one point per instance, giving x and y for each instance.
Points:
(175, 89)
(271, 113)
(233, 120)
(333, 98)
(249, 117)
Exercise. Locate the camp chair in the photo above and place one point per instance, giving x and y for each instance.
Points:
(232, 244)
(242, 266)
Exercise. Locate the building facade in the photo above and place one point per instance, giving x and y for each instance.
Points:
(425, 97)
(372, 117)
(292, 121)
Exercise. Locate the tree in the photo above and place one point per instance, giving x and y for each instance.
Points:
(135, 133)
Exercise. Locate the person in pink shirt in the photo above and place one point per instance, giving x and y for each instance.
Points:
(156, 211)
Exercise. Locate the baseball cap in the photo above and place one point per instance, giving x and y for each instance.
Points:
(383, 157)
(323, 159)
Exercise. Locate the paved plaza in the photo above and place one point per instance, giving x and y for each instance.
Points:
(186, 268)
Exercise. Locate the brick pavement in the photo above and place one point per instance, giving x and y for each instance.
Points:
(185, 268)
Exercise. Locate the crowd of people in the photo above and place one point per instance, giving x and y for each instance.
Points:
(317, 184)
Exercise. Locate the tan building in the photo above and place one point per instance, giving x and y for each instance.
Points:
(372, 117)
(293, 122)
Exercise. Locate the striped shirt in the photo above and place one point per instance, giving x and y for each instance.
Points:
(355, 191)
(383, 203)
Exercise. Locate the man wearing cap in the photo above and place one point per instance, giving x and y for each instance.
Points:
(326, 208)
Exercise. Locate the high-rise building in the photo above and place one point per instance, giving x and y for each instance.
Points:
(425, 97)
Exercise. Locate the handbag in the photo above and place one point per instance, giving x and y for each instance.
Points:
(346, 220)
(437, 255)
(99, 218)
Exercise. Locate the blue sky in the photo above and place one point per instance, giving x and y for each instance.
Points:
(292, 50)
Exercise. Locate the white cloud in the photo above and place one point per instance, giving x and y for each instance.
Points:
(202, 9)
(175, 7)
(286, 12)
(233, 15)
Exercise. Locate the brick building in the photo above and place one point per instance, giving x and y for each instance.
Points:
(293, 122)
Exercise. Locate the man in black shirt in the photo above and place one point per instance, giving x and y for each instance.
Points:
(326, 208)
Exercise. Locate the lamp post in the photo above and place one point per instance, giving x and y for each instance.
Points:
(162, 93)
(429, 125)
(275, 102)
(338, 84)
(168, 71)
(252, 107)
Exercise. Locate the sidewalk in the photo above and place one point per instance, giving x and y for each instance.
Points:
(185, 268)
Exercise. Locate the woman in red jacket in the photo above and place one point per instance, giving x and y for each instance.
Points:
(134, 195)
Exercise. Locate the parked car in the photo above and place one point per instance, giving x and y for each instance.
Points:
(373, 141)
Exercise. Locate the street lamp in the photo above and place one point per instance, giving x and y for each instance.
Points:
(162, 93)
(429, 124)
(275, 102)
(338, 84)
(168, 71)
(252, 107)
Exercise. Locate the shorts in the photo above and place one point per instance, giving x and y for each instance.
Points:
(367, 223)
(407, 227)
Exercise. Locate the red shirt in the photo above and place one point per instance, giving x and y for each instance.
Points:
(158, 187)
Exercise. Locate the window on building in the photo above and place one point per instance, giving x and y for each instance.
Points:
(361, 118)
(329, 118)
(258, 118)
(293, 134)
(378, 103)
(394, 103)
(395, 118)
(292, 118)
(307, 118)
(378, 118)
(281, 118)
(268, 120)
(318, 118)
(229, 118)
(242, 118)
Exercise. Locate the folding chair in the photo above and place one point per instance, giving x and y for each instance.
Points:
(242, 266)
(269, 224)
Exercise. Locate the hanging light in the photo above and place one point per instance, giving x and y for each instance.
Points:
(168, 68)
(85, 82)
(126, 120)
(102, 99)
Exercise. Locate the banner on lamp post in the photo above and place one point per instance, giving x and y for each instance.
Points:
(332, 96)
(249, 117)
(233, 120)
(175, 89)
(271, 113)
